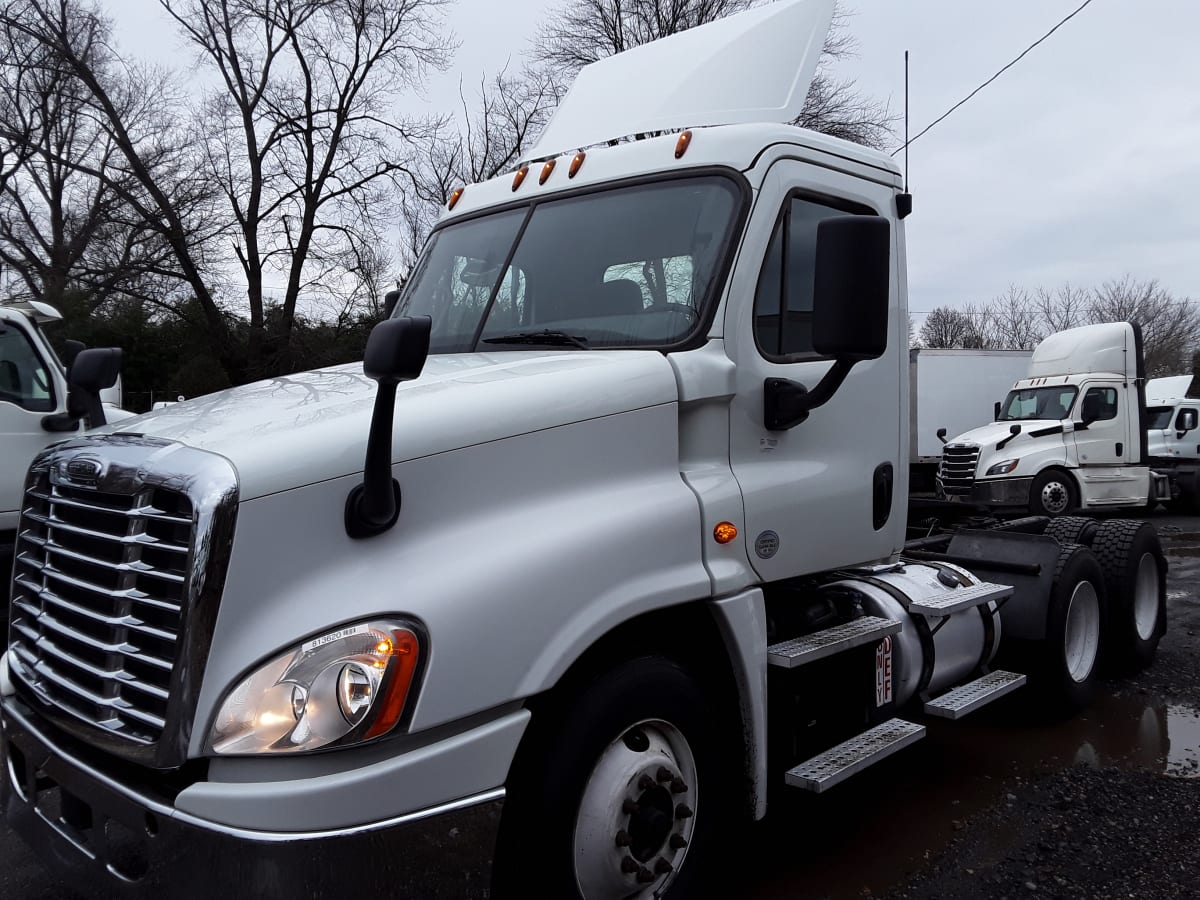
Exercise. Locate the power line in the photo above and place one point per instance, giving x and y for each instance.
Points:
(1011, 63)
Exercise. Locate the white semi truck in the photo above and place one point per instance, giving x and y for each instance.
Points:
(40, 403)
(603, 543)
(1173, 442)
(1077, 433)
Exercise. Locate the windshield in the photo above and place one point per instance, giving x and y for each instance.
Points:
(1159, 416)
(1038, 403)
(626, 267)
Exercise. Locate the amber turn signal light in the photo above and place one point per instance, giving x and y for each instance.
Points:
(681, 145)
(724, 532)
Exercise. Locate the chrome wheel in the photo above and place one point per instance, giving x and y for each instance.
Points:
(1145, 597)
(1056, 497)
(637, 815)
(1081, 641)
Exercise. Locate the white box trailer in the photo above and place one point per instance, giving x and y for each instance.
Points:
(956, 390)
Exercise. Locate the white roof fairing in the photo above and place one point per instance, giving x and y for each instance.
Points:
(755, 66)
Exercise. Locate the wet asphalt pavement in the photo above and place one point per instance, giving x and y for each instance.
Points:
(1104, 805)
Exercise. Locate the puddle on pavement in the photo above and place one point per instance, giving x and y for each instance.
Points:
(871, 833)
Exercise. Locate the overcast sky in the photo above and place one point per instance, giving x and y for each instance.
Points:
(1080, 164)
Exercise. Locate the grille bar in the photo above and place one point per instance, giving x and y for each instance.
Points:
(100, 580)
(956, 473)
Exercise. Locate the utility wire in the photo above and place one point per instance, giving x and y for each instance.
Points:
(1012, 63)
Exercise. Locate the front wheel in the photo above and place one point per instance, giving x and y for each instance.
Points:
(1053, 493)
(619, 796)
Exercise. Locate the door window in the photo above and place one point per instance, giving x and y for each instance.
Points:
(24, 378)
(1099, 404)
(783, 301)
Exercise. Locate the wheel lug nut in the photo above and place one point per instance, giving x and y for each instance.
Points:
(678, 842)
(662, 867)
(678, 786)
(629, 865)
(683, 811)
(629, 807)
(645, 876)
(645, 783)
(664, 774)
(623, 838)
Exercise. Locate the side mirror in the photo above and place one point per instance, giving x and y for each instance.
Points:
(390, 299)
(941, 435)
(850, 313)
(90, 372)
(396, 352)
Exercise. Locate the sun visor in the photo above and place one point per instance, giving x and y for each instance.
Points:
(1159, 390)
(754, 66)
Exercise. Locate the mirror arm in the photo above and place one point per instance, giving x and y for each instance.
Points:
(374, 505)
(787, 403)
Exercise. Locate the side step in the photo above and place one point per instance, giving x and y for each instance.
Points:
(819, 644)
(969, 697)
(958, 599)
(850, 757)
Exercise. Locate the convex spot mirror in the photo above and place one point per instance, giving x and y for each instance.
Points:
(850, 287)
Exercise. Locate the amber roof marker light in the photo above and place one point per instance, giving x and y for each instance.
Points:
(546, 170)
(681, 145)
(519, 176)
(576, 163)
(455, 197)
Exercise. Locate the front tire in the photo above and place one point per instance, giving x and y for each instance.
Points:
(620, 794)
(1053, 494)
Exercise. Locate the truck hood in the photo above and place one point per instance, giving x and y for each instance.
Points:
(295, 430)
(987, 436)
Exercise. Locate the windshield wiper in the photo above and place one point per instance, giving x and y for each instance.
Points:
(547, 338)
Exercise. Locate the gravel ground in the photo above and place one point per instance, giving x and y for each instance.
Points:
(1116, 830)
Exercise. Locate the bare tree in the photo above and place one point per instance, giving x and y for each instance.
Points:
(1065, 307)
(62, 227)
(584, 31)
(1170, 327)
(1012, 321)
(948, 328)
(304, 146)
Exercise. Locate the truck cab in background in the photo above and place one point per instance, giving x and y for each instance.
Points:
(1173, 438)
(1068, 437)
(36, 404)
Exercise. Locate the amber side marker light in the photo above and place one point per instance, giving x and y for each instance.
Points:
(681, 145)
(455, 197)
(546, 170)
(520, 176)
(724, 532)
(575, 164)
(403, 647)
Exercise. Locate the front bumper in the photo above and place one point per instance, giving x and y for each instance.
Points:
(100, 835)
(1004, 492)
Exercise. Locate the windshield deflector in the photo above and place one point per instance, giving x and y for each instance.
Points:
(1038, 403)
(635, 266)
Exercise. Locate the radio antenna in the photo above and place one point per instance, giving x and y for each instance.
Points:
(906, 121)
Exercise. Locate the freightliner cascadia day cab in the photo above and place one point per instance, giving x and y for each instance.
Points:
(604, 541)
(1172, 418)
(1069, 436)
(40, 403)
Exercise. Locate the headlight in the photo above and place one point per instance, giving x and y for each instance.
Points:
(340, 688)
(1003, 468)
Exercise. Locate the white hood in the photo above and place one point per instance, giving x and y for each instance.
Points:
(299, 429)
(989, 435)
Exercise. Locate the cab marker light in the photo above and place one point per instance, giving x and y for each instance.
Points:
(576, 163)
(546, 170)
(681, 145)
(520, 176)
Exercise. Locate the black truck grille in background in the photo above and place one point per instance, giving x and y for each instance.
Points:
(99, 588)
(956, 474)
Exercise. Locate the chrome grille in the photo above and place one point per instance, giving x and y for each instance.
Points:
(956, 473)
(99, 586)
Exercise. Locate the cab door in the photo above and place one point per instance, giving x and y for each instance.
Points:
(1182, 437)
(30, 388)
(1102, 424)
(831, 490)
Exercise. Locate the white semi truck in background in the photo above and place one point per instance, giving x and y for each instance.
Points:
(618, 549)
(1074, 433)
(1173, 441)
(39, 404)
